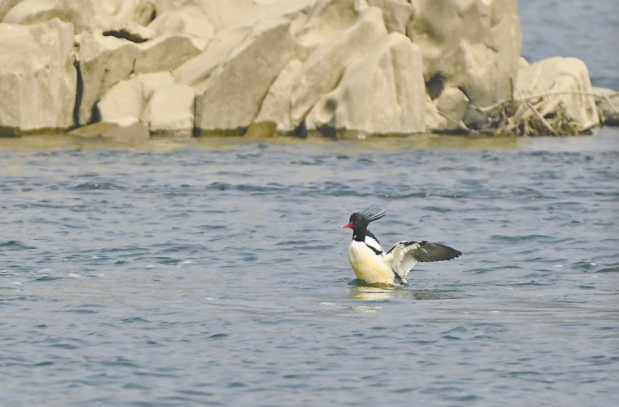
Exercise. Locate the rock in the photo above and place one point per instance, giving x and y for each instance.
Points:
(6, 6)
(452, 106)
(38, 79)
(166, 53)
(434, 121)
(124, 102)
(327, 19)
(563, 94)
(607, 101)
(86, 15)
(261, 130)
(231, 98)
(113, 130)
(149, 82)
(473, 45)
(380, 93)
(187, 19)
(227, 13)
(170, 111)
(277, 104)
(103, 62)
(325, 66)
(397, 13)
(198, 70)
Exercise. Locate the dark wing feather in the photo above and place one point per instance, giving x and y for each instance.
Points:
(430, 251)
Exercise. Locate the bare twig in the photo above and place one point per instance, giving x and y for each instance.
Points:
(540, 95)
(538, 114)
(460, 123)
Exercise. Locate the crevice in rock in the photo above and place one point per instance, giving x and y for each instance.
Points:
(301, 130)
(95, 114)
(435, 85)
(125, 35)
(195, 131)
(79, 94)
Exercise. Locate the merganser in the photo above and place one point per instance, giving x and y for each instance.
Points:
(375, 266)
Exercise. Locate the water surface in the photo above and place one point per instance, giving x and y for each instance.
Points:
(214, 272)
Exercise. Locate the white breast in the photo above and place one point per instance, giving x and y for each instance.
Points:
(369, 266)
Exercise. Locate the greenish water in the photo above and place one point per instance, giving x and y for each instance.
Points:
(214, 272)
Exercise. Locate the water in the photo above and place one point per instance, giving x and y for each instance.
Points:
(575, 28)
(213, 272)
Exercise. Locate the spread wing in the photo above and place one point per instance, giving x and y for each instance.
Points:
(404, 255)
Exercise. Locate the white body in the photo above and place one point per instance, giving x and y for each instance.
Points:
(380, 268)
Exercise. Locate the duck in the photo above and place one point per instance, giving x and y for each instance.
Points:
(373, 265)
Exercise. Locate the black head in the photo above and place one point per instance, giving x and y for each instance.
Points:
(360, 220)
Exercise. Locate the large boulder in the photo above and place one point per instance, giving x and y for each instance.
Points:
(124, 103)
(38, 79)
(473, 45)
(447, 112)
(381, 93)
(397, 13)
(231, 98)
(186, 19)
(326, 20)
(559, 91)
(166, 53)
(325, 66)
(86, 15)
(103, 62)
(277, 104)
(607, 101)
(6, 6)
(170, 111)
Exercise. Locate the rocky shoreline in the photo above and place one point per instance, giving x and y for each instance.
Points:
(334, 68)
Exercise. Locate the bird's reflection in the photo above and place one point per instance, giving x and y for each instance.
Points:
(361, 291)
(371, 292)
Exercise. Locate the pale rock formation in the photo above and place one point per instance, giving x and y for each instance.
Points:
(122, 131)
(607, 101)
(397, 13)
(433, 120)
(166, 52)
(6, 6)
(149, 82)
(124, 103)
(86, 15)
(232, 96)
(196, 71)
(38, 79)
(170, 111)
(325, 66)
(103, 62)
(563, 86)
(187, 19)
(470, 44)
(382, 92)
(277, 104)
(452, 106)
(227, 13)
(327, 19)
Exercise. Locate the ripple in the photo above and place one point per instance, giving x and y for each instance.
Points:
(98, 186)
(14, 245)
